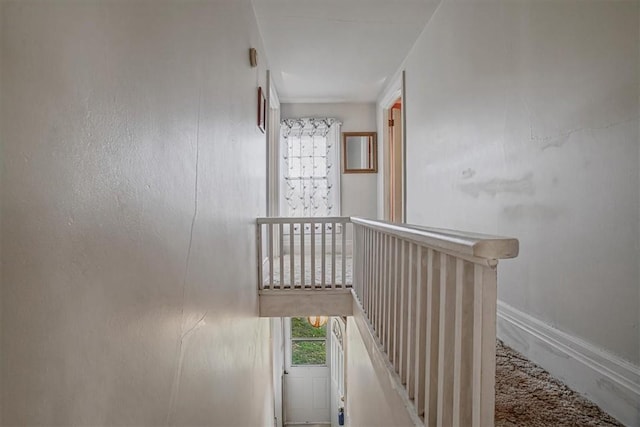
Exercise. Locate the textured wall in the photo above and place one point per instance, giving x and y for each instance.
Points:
(522, 120)
(132, 174)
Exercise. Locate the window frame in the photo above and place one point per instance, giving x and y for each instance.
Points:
(293, 339)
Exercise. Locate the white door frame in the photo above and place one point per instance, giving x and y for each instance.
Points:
(302, 373)
(396, 89)
(337, 367)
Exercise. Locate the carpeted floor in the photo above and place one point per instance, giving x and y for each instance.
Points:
(527, 396)
(308, 279)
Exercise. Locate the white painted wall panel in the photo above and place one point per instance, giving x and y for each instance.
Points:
(132, 175)
(371, 399)
(522, 120)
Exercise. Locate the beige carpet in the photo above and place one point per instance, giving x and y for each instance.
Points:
(526, 395)
(308, 279)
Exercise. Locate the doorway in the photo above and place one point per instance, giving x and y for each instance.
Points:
(392, 117)
(307, 373)
(313, 371)
(394, 162)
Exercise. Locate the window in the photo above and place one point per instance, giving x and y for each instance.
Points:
(310, 167)
(308, 344)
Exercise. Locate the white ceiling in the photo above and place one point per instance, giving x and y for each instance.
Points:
(338, 50)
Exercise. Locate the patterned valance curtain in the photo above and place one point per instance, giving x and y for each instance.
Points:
(310, 167)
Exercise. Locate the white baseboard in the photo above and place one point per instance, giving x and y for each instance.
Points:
(607, 380)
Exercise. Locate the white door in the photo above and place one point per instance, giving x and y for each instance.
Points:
(306, 378)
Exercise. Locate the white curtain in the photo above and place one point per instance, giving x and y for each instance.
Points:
(310, 167)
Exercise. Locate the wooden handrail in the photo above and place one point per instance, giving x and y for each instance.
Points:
(301, 219)
(429, 296)
(471, 244)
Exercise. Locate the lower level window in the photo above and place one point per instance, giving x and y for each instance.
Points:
(309, 352)
(308, 344)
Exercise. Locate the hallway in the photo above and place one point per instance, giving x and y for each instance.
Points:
(139, 142)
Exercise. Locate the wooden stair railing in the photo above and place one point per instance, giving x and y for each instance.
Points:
(304, 253)
(428, 295)
(430, 298)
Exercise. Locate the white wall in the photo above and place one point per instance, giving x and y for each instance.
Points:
(522, 120)
(277, 362)
(372, 400)
(132, 174)
(358, 191)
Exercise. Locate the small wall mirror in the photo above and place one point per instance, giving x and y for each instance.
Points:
(359, 152)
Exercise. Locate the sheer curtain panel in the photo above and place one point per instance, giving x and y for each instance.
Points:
(310, 167)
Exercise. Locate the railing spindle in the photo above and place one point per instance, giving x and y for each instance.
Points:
(259, 255)
(323, 250)
(292, 260)
(302, 265)
(466, 368)
(369, 257)
(398, 298)
(344, 255)
(375, 283)
(374, 256)
(270, 253)
(379, 285)
(432, 338)
(281, 250)
(383, 287)
(333, 255)
(411, 320)
(390, 285)
(355, 265)
(392, 302)
(421, 323)
(404, 292)
(457, 342)
(313, 254)
(364, 250)
(476, 388)
(489, 302)
(361, 264)
(446, 335)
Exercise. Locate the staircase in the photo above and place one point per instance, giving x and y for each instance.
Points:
(427, 296)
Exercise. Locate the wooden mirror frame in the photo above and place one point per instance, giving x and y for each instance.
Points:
(374, 147)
